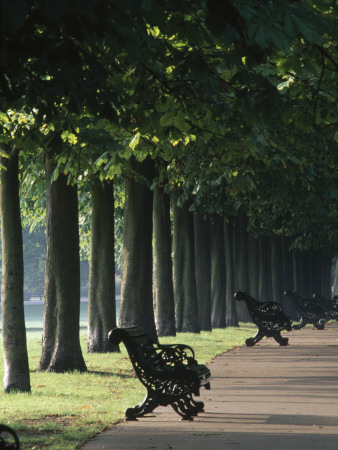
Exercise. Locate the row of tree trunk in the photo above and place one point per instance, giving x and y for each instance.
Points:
(198, 265)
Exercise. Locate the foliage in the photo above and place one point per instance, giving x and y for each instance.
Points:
(237, 101)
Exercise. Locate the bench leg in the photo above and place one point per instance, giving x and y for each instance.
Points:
(147, 406)
(250, 342)
(300, 324)
(319, 324)
(199, 406)
(280, 339)
(192, 406)
(183, 409)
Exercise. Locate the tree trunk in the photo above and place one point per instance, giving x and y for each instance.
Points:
(253, 264)
(335, 280)
(61, 350)
(299, 273)
(277, 270)
(185, 293)
(136, 286)
(265, 288)
(101, 299)
(315, 275)
(218, 273)
(241, 264)
(230, 305)
(16, 376)
(288, 282)
(164, 304)
(325, 270)
(202, 271)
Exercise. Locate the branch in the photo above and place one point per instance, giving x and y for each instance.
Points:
(316, 95)
(328, 56)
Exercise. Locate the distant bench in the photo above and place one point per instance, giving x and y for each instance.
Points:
(310, 311)
(170, 373)
(268, 317)
(330, 306)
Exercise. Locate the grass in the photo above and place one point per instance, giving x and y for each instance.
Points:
(65, 410)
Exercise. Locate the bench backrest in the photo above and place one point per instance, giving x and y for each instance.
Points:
(140, 348)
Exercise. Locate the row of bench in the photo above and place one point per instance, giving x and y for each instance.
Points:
(271, 320)
(171, 374)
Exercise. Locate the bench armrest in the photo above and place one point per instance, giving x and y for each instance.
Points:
(175, 354)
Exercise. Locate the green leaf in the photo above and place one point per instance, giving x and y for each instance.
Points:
(162, 104)
(55, 174)
(134, 142)
(167, 119)
(168, 153)
(180, 121)
(4, 118)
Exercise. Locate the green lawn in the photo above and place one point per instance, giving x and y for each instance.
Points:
(65, 410)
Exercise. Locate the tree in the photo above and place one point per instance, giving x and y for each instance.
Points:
(335, 281)
(164, 306)
(136, 286)
(101, 301)
(203, 270)
(16, 376)
(185, 293)
(231, 311)
(61, 350)
(218, 274)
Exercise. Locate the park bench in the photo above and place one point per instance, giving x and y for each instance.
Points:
(330, 306)
(8, 438)
(268, 317)
(309, 310)
(170, 373)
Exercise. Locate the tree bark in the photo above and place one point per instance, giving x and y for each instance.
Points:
(16, 376)
(185, 293)
(314, 273)
(61, 350)
(299, 273)
(101, 299)
(164, 304)
(241, 264)
(136, 284)
(288, 282)
(230, 305)
(335, 280)
(202, 271)
(277, 270)
(265, 287)
(218, 273)
(325, 266)
(253, 265)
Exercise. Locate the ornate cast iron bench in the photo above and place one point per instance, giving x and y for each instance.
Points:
(310, 311)
(330, 306)
(170, 373)
(269, 318)
(8, 438)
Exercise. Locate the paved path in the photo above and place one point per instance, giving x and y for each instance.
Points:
(265, 397)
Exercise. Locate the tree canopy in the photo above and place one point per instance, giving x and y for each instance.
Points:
(232, 96)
